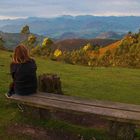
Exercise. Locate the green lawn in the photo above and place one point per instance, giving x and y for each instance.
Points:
(113, 84)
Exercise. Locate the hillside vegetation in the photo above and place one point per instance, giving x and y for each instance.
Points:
(91, 52)
(112, 47)
(11, 40)
(123, 53)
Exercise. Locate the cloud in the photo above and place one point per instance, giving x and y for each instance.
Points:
(48, 8)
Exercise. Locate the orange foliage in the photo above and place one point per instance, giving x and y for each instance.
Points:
(103, 50)
(111, 47)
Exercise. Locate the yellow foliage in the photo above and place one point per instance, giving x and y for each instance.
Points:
(46, 42)
(31, 39)
(87, 47)
(57, 53)
(89, 63)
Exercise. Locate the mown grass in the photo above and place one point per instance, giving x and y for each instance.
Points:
(113, 84)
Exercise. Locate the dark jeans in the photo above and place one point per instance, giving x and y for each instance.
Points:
(22, 93)
(11, 89)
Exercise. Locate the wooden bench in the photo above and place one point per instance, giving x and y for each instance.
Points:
(123, 117)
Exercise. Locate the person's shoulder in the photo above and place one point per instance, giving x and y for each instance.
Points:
(33, 63)
(32, 60)
(12, 64)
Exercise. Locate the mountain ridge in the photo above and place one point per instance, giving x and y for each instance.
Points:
(84, 26)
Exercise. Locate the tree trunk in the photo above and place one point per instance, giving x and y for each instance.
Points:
(49, 83)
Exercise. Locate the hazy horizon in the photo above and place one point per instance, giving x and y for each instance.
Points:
(52, 8)
(14, 18)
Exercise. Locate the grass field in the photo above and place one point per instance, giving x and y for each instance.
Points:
(113, 84)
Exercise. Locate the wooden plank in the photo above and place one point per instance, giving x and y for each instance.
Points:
(104, 104)
(109, 113)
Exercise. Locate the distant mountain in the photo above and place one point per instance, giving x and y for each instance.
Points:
(110, 35)
(68, 35)
(79, 26)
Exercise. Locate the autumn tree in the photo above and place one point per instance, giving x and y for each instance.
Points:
(25, 30)
(47, 42)
(31, 41)
(88, 47)
(46, 46)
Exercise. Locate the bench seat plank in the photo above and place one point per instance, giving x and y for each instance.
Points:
(52, 101)
(104, 104)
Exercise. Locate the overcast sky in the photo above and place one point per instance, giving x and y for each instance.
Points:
(50, 8)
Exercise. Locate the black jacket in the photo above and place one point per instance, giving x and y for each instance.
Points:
(24, 77)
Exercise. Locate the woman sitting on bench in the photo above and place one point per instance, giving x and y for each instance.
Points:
(23, 70)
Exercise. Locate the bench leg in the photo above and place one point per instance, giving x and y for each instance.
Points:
(29, 112)
(45, 114)
(34, 113)
(122, 131)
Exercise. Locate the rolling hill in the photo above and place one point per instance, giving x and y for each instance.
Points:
(11, 40)
(110, 47)
(110, 35)
(73, 44)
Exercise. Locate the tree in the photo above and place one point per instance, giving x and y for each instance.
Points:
(31, 42)
(32, 39)
(25, 30)
(1, 43)
(88, 47)
(47, 42)
(129, 33)
(106, 58)
(46, 46)
(36, 51)
(57, 53)
(97, 51)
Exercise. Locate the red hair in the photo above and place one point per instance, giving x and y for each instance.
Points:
(21, 54)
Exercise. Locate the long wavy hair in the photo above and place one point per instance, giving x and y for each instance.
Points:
(21, 54)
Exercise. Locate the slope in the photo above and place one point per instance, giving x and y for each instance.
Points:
(110, 47)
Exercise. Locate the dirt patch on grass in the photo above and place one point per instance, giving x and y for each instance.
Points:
(36, 133)
(28, 130)
(39, 133)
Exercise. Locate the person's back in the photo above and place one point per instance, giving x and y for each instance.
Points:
(24, 76)
(23, 71)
